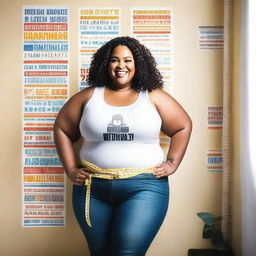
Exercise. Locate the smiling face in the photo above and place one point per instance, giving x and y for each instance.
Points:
(121, 67)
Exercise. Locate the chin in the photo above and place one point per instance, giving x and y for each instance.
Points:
(121, 85)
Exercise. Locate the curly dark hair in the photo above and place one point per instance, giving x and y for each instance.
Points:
(147, 76)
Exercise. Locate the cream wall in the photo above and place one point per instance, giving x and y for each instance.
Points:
(236, 200)
(197, 84)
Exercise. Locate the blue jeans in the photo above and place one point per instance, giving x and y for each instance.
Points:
(125, 214)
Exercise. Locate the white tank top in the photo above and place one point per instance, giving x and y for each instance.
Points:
(120, 136)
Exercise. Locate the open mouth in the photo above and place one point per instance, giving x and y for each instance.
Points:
(121, 74)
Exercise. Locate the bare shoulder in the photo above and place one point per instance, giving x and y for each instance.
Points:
(174, 117)
(160, 97)
(82, 97)
(75, 105)
(165, 103)
(158, 92)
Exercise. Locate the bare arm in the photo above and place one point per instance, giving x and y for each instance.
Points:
(66, 132)
(176, 124)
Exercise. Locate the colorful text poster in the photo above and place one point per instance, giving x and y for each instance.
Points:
(96, 27)
(211, 37)
(45, 90)
(153, 27)
(215, 117)
(214, 161)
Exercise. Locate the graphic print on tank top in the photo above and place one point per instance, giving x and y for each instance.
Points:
(117, 130)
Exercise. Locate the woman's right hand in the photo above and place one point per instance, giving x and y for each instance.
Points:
(79, 175)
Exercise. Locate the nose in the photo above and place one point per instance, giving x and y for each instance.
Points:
(121, 64)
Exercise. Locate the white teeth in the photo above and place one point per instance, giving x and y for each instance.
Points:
(121, 73)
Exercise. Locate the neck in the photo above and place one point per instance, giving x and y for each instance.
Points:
(120, 88)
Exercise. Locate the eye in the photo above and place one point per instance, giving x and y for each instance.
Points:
(127, 61)
(113, 60)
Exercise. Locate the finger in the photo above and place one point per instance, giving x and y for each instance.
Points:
(79, 183)
(85, 172)
(158, 171)
(81, 176)
(159, 165)
(159, 174)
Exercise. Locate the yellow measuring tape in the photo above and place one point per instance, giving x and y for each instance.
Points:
(108, 174)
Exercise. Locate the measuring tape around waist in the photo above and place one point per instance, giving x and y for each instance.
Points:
(109, 174)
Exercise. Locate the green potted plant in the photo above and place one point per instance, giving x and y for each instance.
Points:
(212, 230)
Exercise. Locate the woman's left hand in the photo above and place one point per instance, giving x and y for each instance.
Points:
(164, 169)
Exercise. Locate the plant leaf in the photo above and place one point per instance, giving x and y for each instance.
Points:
(208, 218)
(208, 231)
(218, 240)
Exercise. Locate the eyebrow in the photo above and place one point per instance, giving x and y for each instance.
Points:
(118, 58)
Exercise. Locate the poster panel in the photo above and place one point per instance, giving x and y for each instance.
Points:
(215, 117)
(45, 90)
(96, 27)
(153, 27)
(210, 37)
(214, 161)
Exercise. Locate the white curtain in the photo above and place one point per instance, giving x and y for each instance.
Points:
(248, 127)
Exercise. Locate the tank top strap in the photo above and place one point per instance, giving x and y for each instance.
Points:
(97, 95)
(98, 92)
(145, 96)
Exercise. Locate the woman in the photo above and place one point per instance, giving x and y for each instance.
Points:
(120, 191)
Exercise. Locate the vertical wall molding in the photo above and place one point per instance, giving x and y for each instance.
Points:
(226, 134)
